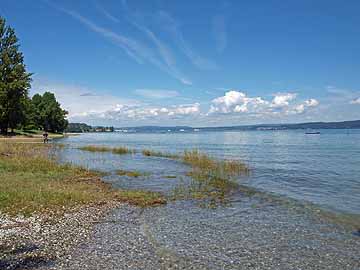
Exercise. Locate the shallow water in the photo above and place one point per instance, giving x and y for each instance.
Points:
(279, 226)
(321, 169)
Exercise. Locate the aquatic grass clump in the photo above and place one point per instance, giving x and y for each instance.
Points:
(149, 153)
(212, 190)
(211, 180)
(122, 150)
(170, 176)
(207, 165)
(117, 150)
(131, 173)
(94, 148)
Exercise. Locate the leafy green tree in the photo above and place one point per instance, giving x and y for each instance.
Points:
(29, 122)
(14, 80)
(47, 113)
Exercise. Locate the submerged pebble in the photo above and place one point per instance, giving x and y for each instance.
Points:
(183, 236)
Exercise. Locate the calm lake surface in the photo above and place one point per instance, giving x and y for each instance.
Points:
(303, 211)
(320, 169)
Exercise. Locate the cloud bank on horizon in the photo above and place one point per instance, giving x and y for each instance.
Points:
(84, 106)
(165, 107)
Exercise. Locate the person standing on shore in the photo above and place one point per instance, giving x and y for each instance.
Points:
(45, 135)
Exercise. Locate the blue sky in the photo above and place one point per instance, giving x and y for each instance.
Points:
(199, 63)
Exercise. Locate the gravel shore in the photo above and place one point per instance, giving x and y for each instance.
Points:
(31, 242)
(184, 236)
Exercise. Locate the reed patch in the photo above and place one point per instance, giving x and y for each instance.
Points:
(135, 174)
(116, 150)
(211, 180)
(170, 176)
(152, 153)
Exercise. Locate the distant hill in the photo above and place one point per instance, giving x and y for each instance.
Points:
(311, 125)
(155, 129)
(82, 127)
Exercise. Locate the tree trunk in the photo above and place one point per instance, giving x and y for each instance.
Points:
(4, 129)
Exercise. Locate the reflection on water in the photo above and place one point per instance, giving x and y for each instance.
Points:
(322, 169)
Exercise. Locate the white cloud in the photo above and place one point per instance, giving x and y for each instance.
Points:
(311, 102)
(306, 104)
(187, 109)
(122, 112)
(281, 105)
(355, 101)
(282, 99)
(156, 94)
(235, 101)
(233, 108)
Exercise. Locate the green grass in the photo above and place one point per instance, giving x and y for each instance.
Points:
(31, 180)
(149, 153)
(131, 173)
(118, 150)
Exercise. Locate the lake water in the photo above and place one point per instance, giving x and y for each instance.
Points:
(321, 169)
(281, 224)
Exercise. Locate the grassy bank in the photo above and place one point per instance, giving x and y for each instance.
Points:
(31, 181)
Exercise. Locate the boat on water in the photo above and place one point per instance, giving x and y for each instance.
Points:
(312, 132)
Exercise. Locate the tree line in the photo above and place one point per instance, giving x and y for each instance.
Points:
(17, 109)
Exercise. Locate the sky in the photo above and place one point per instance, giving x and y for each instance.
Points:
(198, 63)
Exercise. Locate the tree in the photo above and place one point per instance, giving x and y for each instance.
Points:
(47, 113)
(14, 80)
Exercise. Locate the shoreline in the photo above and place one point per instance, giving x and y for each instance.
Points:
(107, 234)
(69, 240)
(47, 208)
